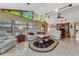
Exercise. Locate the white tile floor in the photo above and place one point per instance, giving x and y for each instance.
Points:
(65, 48)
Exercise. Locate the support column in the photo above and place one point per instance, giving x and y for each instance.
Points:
(13, 27)
(46, 28)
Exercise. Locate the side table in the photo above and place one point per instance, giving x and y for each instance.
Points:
(21, 38)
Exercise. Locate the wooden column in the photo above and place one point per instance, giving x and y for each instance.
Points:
(45, 26)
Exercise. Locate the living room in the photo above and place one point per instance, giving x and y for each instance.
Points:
(35, 28)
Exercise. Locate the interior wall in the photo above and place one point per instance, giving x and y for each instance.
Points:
(71, 15)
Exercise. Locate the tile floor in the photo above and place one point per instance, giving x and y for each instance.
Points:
(65, 47)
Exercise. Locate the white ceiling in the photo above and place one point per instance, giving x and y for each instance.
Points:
(42, 8)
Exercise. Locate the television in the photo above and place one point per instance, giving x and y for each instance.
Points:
(27, 14)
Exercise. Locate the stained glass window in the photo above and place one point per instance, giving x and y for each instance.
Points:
(27, 14)
(15, 12)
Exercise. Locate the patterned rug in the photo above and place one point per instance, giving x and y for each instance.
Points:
(45, 47)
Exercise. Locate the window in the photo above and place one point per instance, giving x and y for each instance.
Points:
(5, 25)
(20, 27)
(27, 14)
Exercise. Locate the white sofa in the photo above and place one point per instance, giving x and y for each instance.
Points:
(6, 42)
(32, 37)
(56, 34)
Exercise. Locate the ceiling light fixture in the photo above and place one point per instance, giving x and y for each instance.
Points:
(28, 3)
(56, 10)
(59, 16)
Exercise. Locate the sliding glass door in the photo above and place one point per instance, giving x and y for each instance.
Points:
(13, 27)
(20, 27)
(5, 25)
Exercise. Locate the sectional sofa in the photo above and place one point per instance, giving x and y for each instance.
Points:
(6, 42)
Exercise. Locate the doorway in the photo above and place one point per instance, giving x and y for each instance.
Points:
(76, 32)
(64, 28)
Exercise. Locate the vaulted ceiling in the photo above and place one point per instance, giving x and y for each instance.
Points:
(42, 8)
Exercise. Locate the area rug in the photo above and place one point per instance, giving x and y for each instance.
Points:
(51, 46)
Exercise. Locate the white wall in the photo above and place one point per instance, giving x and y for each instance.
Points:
(71, 15)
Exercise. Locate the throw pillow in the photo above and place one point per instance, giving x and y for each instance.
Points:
(1, 41)
(30, 33)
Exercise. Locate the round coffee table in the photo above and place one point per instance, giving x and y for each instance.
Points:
(45, 46)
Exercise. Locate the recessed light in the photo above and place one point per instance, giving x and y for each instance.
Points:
(56, 10)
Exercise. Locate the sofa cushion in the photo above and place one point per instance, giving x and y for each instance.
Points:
(30, 33)
(1, 41)
(3, 33)
(10, 37)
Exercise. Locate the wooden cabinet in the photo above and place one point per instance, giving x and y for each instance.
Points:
(21, 38)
